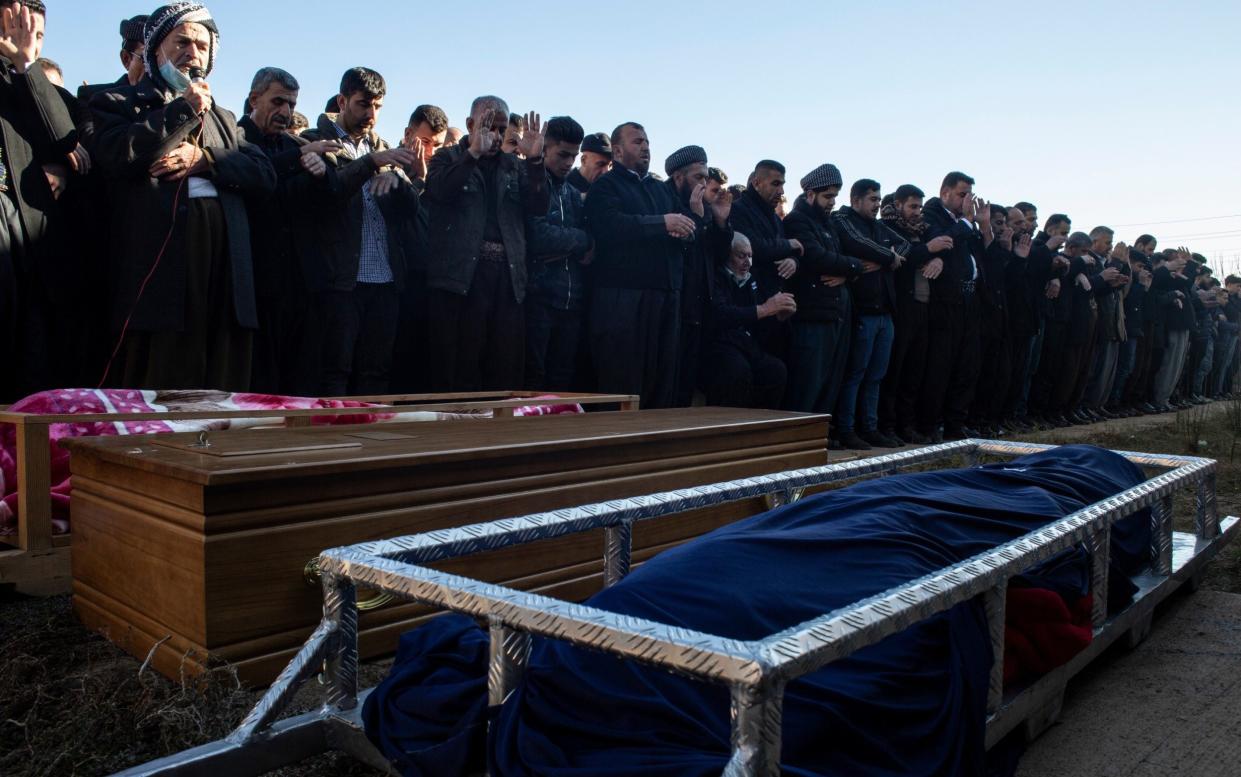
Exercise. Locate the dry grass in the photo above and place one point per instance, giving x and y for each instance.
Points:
(74, 704)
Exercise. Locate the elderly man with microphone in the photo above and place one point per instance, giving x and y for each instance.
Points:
(178, 168)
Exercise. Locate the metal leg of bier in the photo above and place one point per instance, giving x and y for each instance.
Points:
(617, 546)
(1100, 545)
(756, 712)
(995, 603)
(1161, 537)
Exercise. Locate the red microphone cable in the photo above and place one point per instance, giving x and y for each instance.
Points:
(176, 199)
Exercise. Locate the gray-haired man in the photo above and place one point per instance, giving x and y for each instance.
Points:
(283, 237)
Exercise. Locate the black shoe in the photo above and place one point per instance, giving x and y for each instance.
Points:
(1148, 408)
(1077, 418)
(960, 433)
(936, 435)
(912, 436)
(878, 439)
(1103, 413)
(851, 441)
(834, 445)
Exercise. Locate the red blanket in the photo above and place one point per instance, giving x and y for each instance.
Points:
(85, 401)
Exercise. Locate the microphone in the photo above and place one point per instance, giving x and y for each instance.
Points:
(197, 75)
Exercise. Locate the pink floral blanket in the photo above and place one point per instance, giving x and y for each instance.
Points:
(87, 401)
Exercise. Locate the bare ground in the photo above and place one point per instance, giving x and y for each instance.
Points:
(71, 703)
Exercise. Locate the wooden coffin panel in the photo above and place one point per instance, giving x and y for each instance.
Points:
(208, 550)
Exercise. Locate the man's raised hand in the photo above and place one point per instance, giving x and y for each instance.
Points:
(933, 268)
(1022, 249)
(937, 244)
(695, 200)
(322, 147)
(531, 143)
(482, 139)
(401, 157)
(21, 45)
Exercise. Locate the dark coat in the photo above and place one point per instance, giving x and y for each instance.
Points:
(340, 231)
(456, 191)
(558, 242)
(992, 292)
(1168, 288)
(754, 218)
(633, 250)
(959, 264)
(699, 261)
(579, 182)
(816, 301)
(88, 91)
(284, 226)
(36, 127)
(734, 317)
(871, 240)
(135, 125)
(1025, 283)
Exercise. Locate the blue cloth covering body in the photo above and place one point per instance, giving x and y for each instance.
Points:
(914, 704)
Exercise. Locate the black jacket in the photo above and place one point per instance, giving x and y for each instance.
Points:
(734, 320)
(872, 240)
(578, 181)
(457, 189)
(36, 128)
(558, 242)
(1083, 304)
(633, 250)
(284, 226)
(1166, 289)
(699, 260)
(1025, 282)
(754, 218)
(992, 292)
(340, 231)
(87, 91)
(960, 262)
(134, 126)
(824, 256)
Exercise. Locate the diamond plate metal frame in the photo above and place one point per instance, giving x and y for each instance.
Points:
(756, 671)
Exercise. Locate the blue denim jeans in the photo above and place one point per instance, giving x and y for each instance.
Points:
(869, 350)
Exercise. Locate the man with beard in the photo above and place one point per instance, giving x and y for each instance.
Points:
(819, 341)
(559, 247)
(902, 386)
(596, 160)
(1025, 280)
(283, 238)
(686, 169)
(1087, 281)
(424, 135)
(181, 170)
(640, 228)
(873, 292)
(366, 240)
(481, 198)
(717, 186)
(754, 215)
(953, 316)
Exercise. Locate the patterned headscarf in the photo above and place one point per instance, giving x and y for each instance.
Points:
(890, 213)
(167, 18)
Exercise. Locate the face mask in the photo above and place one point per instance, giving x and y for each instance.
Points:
(174, 78)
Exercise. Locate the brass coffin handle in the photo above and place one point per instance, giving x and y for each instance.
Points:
(313, 577)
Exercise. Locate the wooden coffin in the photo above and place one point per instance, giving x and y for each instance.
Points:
(200, 552)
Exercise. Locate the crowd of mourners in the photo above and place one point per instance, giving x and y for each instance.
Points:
(149, 239)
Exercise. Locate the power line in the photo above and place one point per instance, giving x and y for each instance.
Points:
(1201, 235)
(1179, 221)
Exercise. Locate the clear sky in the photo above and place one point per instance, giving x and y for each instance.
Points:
(1118, 113)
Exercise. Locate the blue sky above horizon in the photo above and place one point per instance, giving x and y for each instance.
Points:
(1118, 113)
